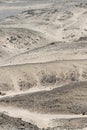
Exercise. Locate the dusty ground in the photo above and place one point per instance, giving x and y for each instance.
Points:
(68, 99)
(43, 65)
(11, 123)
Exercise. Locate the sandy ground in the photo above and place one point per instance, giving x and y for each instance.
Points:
(43, 58)
(41, 120)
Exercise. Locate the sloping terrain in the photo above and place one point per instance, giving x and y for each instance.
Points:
(52, 52)
(11, 123)
(61, 20)
(43, 65)
(37, 77)
(67, 99)
(14, 41)
(58, 30)
(17, 38)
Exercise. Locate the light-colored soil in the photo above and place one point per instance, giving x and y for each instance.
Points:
(43, 65)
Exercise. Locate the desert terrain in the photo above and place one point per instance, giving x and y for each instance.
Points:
(43, 65)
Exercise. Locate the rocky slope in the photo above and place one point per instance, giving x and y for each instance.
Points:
(43, 65)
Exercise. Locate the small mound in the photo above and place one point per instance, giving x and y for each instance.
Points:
(20, 38)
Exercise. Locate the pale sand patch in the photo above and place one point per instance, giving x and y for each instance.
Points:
(41, 120)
